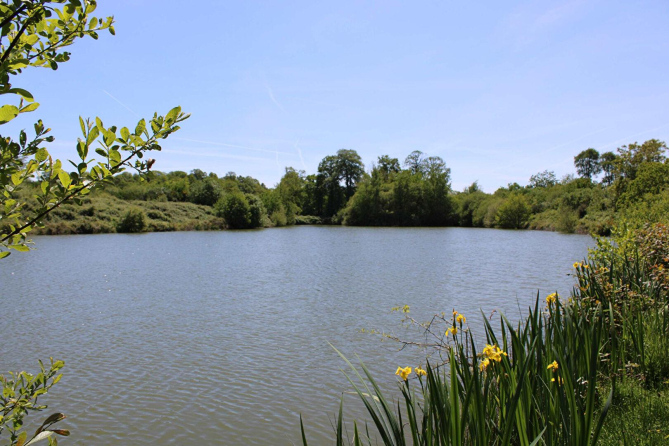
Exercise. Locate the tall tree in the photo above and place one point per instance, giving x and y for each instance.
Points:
(633, 155)
(351, 170)
(328, 180)
(587, 163)
(545, 178)
(437, 207)
(291, 189)
(387, 166)
(413, 161)
(608, 165)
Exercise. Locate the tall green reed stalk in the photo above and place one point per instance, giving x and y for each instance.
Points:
(533, 382)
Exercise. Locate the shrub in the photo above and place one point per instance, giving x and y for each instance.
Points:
(513, 213)
(133, 220)
(234, 208)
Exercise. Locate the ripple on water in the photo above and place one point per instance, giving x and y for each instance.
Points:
(223, 337)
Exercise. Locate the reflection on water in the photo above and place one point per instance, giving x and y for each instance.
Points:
(223, 337)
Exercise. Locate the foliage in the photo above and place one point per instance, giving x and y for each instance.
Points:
(234, 208)
(205, 192)
(21, 392)
(133, 220)
(389, 196)
(240, 211)
(418, 195)
(607, 163)
(36, 40)
(513, 213)
(543, 179)
(587, 163)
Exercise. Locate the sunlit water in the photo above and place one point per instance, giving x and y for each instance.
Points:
(224, 337)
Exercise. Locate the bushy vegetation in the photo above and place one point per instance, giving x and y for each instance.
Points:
(588, 369)
(634, 184)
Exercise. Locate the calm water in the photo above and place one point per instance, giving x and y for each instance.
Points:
(223, 337)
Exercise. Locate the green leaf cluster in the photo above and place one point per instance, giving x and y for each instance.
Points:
(34, 34)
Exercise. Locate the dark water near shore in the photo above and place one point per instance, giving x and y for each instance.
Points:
(223, 337)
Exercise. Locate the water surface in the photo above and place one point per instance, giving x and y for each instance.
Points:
(223, 337)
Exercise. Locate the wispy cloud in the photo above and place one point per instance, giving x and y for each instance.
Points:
(572, 141)
(197, 153)
(628, 139)
(277, 161)
(121, 103)
(527, 25)
(234, 146)
(302, 161)
(272, 96)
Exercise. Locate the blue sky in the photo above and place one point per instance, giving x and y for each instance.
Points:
(499, 90)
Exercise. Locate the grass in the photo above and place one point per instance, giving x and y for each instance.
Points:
(639, 416)
(101, 213)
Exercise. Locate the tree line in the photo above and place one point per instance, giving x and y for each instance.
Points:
(416, 191)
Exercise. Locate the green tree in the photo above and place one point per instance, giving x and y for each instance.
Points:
(407, 199)
(330, 195)
(205, 192)
(543, 179)
(632, 156)
(608, 166)
(413, 162)
(235, 209)
(257, 212)
(513, 213)
(34, 34)
(437, 207)
(350, 170)
(337, 180)
(291, 190)
(587, 163)
(387, 166)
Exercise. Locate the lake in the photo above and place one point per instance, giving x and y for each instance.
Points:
(224, 337)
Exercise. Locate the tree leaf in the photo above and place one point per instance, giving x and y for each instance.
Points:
(41, 436)
(30, 107)
(173, 114)
(64, 178)
(4, 254)
(16, 178)
(93, 134)
(141, 126)
(25, 94)
(41, 155)
(7, 113)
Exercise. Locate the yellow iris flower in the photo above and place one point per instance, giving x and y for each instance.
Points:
(493, 352)
(403, 372)
(460, 319)
(419, 371)
(553, 366)
(452, 330)
(552, 298)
